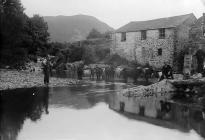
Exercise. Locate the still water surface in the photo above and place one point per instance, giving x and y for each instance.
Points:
(83, 113)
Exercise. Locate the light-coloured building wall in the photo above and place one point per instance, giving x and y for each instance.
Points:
(146, 51)
(126, 48)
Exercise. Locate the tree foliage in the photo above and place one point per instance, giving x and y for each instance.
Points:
(21, 36)
(38, 31)
(94, 34)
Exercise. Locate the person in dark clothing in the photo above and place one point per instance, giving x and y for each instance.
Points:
(92, 73)
(200, 55)
(99, 72)
(166, 72)
(136, 73)
(203, 72)
(46, 70)
(80, 72)
(124, 74)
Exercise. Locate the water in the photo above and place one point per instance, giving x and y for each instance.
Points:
(85, 112)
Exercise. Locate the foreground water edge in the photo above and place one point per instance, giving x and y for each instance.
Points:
(86, 111)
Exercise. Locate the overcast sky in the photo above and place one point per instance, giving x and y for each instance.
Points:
(115, 13)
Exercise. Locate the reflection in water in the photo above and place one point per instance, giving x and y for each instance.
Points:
(18, 105)
(169, 114)
(84, 96)
(82, 113)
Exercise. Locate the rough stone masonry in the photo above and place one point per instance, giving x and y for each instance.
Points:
(153, 49)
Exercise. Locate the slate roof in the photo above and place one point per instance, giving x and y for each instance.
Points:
(168, 22)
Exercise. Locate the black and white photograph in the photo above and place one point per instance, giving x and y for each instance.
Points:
(102, 70)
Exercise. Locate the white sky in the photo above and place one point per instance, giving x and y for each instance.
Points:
(115, 13)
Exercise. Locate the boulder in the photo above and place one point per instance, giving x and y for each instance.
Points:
(163, 88)
(197, 75)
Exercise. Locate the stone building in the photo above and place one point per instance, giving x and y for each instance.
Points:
(197, 32)
(196, 45)
(153, 41)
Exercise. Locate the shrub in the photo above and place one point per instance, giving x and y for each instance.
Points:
(116, 60)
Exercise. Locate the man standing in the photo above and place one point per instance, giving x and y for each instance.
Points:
(46, 70)
(80, 72)
(200, 55)
(166, 72)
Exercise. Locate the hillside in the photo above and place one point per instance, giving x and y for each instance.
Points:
(73, 28)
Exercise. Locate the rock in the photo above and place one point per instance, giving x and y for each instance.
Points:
(7, 67)
(163, 88)
(197, 75)
(178, 76)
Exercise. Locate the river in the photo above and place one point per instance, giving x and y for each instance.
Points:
(84, 112)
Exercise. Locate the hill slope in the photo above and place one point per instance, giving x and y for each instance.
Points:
(73, 28)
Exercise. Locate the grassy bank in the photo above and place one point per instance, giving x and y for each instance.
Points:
(11, 79)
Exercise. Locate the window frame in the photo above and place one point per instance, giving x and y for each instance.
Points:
(162, 33)
(123, 36)
(143, 34)
(159, 52)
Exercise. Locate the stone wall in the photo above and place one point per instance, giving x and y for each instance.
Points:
(146, 51)
(124, 49)
(182, 37)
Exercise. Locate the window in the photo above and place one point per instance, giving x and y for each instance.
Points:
(159, 51)
(123, 36)
(143, 35)
(162, 33)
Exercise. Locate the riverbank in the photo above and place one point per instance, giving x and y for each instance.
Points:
(12, 79)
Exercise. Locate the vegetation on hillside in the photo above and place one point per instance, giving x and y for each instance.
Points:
(93, 50)
(73, 28)
(26, 38)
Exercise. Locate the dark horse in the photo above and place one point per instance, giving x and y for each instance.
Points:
(136, 73)
(99, 72)
(109, 73)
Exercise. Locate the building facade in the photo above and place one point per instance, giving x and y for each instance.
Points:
(197, 44)
(154, 41)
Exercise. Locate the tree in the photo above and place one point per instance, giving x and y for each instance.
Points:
(94, 34)
(89, 55)
(21, 36)
(38, 30)
(13, 21)
(76, 53)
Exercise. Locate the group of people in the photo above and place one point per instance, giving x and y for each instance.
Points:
(47, 69)
(148, 72)
(108, 72)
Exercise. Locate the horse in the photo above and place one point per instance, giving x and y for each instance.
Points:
(92, 73)
(118, 72)
(86, 72)
(148, 72)
(71, 70)
(109, 72)
(99, 72)
(136, 73)
(127, 72)
(75, 69)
